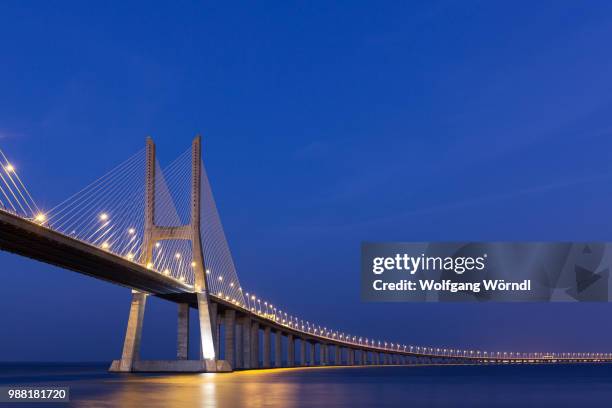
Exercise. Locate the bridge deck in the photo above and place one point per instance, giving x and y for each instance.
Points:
(34, 241)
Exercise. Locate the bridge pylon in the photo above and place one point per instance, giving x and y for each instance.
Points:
(130, 357)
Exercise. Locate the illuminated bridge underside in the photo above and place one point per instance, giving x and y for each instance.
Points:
(31, 240)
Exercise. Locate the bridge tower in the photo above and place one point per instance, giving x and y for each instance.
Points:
(153, 233)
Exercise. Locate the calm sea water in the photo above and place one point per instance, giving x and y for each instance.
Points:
(426, 386)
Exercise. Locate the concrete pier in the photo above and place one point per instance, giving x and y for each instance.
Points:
(175, 366)
(303, 352)
(323, 354)
(245, 324)
(266, 347)
(230, 339)
(182, 350)
(215, 327)
(350, 356)
(239, 345)
(278, 349)
(133, 333)
(255, 345)
(290, 350)
(311, 359)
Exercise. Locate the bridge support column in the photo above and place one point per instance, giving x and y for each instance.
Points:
(311, 360)
(303, 352)
(266, 347)
(239, 345)
(217, 335)
(338, 355)
(254, 345)
(278, 349)
(323, 354)
(245, 328)
(290, 350)
(182, 352)
(214, 327)
(350, 356)
(133, 333)
(207, 339)
(230, 337)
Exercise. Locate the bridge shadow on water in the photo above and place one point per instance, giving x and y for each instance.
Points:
(401, 386)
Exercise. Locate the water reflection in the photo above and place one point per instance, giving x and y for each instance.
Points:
(262, 388)
(441, 386)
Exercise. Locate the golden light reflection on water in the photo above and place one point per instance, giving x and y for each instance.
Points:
(259, 388)
(355, 387)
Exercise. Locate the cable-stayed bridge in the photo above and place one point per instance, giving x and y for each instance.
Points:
(158, 232)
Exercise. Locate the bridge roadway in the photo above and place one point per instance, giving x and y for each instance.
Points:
(241, 325)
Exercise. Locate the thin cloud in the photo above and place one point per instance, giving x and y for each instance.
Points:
(313, 150)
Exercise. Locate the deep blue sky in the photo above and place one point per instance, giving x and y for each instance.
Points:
(325, 125)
